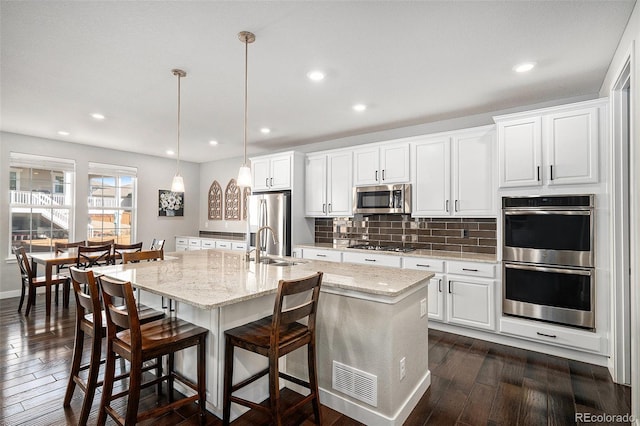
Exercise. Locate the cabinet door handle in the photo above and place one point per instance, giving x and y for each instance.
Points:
(439, 285)
(376, 175)
(321, 255)
(456, 205)
(324, 208)
(266, 182)
(329, 210)
(447, 206)
(538, 170)
(450, 287)
(551, 172)
(553, 336)
(469, 270)
(382, 174)
(271, 183)
(422, 265)
(370, 260)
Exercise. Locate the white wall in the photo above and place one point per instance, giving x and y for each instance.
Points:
(154, 173)
(222, 171)
(630, 45)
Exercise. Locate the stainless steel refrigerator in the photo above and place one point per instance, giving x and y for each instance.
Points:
(271, 209)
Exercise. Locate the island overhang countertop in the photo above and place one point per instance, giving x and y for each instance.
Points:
(209, 279)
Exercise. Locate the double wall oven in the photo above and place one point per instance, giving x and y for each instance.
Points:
(548, 259)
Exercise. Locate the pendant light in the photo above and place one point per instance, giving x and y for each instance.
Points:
(244, 175)
(177, 185)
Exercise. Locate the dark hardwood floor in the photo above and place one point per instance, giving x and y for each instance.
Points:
(473, 382)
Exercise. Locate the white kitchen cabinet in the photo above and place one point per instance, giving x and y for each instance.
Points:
(319, 254)
(373, 259)
(272, 172)
(470, 300)
(195, 244)
(224, 245)
(328, 184)
(207, 244)
(552, 146)
(452, 174)
(381, 164)
(238, 245)
(435, 298)
(182, 244)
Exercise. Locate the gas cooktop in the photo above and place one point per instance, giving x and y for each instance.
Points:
(381, 248)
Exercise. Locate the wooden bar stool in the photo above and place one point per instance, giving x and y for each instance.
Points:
(273, 337)
(138, 343)
(120, 249)
(137, 256)
(60, 247)
(89, 313)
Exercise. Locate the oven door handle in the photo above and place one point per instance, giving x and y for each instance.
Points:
(586, 272)
(520, 212)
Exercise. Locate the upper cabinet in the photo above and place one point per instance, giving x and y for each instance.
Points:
(381, 164)
(453, 174)
(272, 172)
(328, 183)
(553, 146)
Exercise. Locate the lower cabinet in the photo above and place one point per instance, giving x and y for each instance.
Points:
(470, 302)
(435, 308)
(372, 259)
(182, 244)
(318, 254)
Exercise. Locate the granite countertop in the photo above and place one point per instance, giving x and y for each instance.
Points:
(212, 278)
(436, 254)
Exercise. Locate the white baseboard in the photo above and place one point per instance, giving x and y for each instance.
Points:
(9, 294)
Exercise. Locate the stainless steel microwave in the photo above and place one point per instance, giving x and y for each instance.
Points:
(382, 199)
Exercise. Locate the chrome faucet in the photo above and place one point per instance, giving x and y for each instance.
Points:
(259, 240)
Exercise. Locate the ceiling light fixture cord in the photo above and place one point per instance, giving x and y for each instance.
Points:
(177, 185)
(246, 91)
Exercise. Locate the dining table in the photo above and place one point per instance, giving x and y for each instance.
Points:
(51, 260)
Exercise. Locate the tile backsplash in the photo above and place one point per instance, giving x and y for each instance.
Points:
(469, 235)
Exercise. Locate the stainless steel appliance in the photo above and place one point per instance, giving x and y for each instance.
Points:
(271, 209)
(382, 199)
(548, 259)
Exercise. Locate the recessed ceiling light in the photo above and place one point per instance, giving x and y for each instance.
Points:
(359, 107)
(213, 143)
(63, 133)
(315, 75)
(524, 67)
(265, 130)
(170, 152)
(97, 116)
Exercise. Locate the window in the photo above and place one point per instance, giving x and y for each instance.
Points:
(112, 203)
(40, 201)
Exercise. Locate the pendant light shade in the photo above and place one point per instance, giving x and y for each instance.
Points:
(244, 174)
(177, 184)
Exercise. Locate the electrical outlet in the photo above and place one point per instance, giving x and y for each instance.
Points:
(403, 367)
(423, 307)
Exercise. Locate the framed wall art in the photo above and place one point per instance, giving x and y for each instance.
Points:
(170, 203)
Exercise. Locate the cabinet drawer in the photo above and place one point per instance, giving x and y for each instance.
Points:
(182, 241)
(560, 336)
(208, 244)
(238, 246)
(328, 255)
(194, 242)
(423, 264)
(486, 270)
(226, 245)
(372, 259)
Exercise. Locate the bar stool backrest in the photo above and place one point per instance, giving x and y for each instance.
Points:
(90, 256)
(86, 303)
(120, 249)
(307, 309)
(128, 257)
(117, 318)
(157, 245)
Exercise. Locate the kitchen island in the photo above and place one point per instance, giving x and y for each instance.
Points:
(371, 332)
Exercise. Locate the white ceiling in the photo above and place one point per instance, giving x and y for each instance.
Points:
(410, 62)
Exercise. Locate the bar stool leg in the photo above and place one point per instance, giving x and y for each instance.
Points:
(313, 381)
(92, 379)
(274, 388)
(107, 387)
(78, 346)
(135, 380)
(202, 379)
(228, 381)
(158, 375)
(21, 298)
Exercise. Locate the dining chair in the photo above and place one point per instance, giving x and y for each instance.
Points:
(157, 245)
(119, 249)
(30, 282)
(138, 343)
(137, 256)
(60, 247)
(90, 322)
(100, 243)
(91, 256)
(272, 337)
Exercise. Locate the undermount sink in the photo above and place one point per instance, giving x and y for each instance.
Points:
(278, 262)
